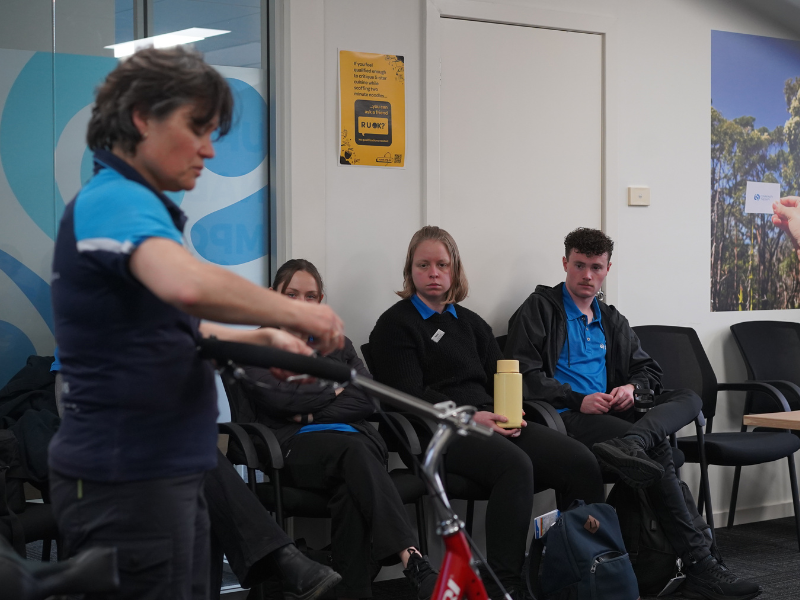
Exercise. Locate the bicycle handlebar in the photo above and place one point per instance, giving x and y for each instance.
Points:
(261, 356)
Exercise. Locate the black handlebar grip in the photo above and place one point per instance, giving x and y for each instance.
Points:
(262, 356)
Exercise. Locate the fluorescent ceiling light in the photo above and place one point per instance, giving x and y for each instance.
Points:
(165, 40)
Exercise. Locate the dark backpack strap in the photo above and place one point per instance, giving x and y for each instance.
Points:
(626, 501)
(6, 514)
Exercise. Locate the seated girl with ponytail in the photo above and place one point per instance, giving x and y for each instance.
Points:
(328, 446)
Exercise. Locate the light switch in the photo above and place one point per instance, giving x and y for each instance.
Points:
(639, 196)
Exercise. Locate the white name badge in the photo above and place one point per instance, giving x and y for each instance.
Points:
(438, 335)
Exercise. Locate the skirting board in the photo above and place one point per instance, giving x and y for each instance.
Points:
(755, 514)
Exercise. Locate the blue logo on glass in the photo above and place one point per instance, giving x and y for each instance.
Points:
(245, 146)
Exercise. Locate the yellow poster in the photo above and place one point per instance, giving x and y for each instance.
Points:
(372, 109)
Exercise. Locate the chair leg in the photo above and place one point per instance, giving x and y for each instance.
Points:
(734, 495)
(701, 496)
(276, 482)
(470, 515)
(422, 529)
(795, 500)
(707, 498)
(46, 547)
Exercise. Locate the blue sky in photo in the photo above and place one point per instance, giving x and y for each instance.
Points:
(748, 73)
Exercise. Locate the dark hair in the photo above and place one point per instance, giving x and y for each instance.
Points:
(459, 286)
(591, 242)
(156, 82)
(287, 270)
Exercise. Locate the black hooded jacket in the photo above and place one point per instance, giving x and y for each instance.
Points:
(275, 407)
(537, 333)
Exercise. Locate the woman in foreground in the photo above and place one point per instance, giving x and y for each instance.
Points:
(139, 425)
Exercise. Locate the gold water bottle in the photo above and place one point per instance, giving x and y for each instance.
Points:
(508, 393)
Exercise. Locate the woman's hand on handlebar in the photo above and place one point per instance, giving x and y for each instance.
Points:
(283, 340)
(321, 323)
(490, 420)
(264, 336)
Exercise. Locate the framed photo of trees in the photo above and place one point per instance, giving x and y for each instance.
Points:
(755, 136)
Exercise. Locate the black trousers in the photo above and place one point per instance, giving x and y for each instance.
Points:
(159, 526)
(367, 514)
(508, 466)
(241, 528)
(673, 410)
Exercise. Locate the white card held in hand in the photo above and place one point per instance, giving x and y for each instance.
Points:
(760, 196)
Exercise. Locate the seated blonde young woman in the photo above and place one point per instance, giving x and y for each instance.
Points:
(433, 348)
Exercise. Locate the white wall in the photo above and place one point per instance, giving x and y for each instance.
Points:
(356, 223)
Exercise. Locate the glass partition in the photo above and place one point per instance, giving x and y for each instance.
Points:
(52, 57)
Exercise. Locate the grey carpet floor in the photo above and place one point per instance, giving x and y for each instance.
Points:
(765, 552)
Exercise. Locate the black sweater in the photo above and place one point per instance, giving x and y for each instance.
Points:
(459, 367)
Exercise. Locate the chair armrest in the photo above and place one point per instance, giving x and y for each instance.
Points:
(790, 390)
(700, 419)
(422, 424)
(544, 414)
(271, 445)
(757, 386)
(404, 428)
(424, 427)
(239, 434)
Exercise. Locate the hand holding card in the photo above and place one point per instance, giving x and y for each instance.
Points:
(760, 196)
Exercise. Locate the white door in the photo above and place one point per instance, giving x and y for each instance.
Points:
(521, 154)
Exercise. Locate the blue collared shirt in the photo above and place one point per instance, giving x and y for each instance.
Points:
(426, 311)
(582, 362)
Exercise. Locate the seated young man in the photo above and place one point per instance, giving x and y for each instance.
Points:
(582, 356)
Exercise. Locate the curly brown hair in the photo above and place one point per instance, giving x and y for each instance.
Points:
(591, 242)
(155, 82)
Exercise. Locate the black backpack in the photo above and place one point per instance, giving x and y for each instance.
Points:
(654, 560)
(12, 494)
(584, 558)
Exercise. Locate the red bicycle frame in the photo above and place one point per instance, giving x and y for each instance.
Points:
(457, 577)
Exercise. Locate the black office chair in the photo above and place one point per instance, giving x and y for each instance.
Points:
(287, 501)
(771, 353)
(681, 356)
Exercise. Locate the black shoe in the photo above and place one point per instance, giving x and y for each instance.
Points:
(301, 577)
(516, 590)
(421, 575)
(494, 593)
(627, 458)
(709, 579)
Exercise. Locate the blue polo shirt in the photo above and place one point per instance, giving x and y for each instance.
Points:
(582, 362)
(138, 401)
(426, 312)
